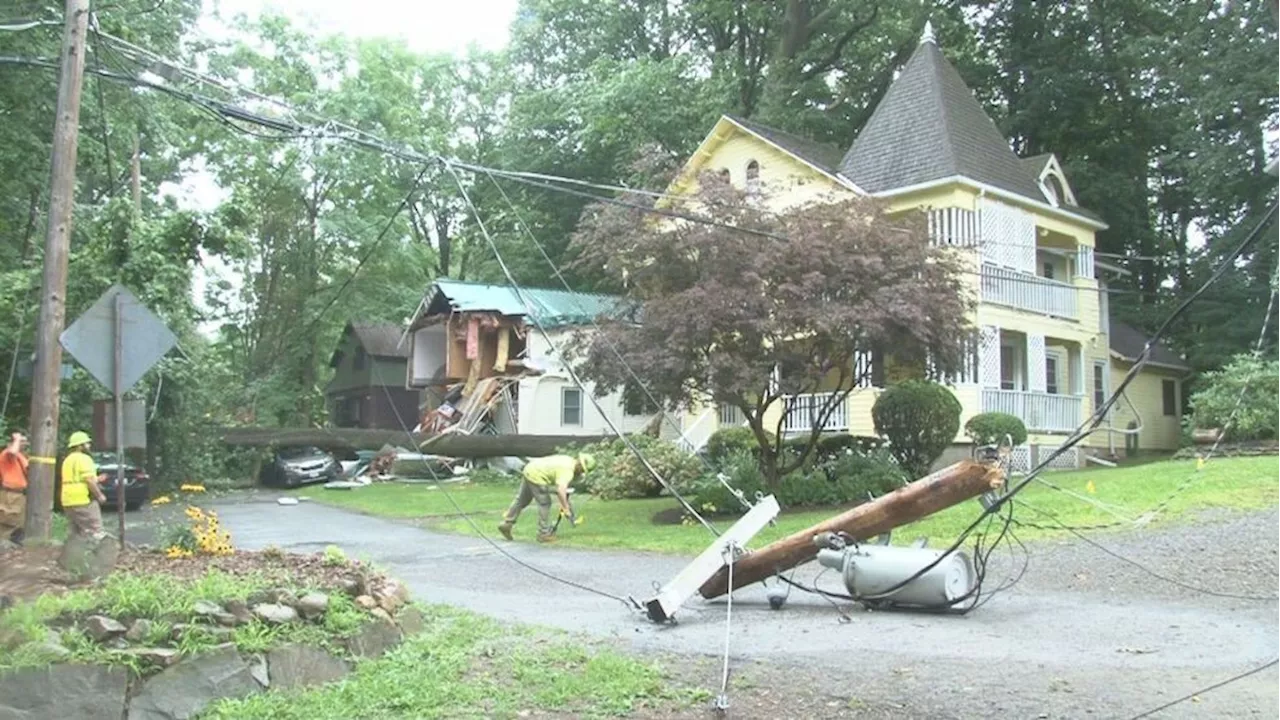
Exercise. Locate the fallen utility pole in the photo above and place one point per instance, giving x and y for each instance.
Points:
(949, 486)
(62, 187)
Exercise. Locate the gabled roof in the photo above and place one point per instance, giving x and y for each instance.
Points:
(1035, 164)
(820, 155)
(378, 340)
(929, 126)
(551, 308)
(1127, 343)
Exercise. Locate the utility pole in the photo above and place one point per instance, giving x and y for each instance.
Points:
(62, 187)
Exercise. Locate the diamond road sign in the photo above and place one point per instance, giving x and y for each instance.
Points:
(144, 339)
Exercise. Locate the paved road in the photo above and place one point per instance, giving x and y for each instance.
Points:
(1081, 635)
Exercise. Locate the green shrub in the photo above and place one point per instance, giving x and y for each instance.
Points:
(831, 446)
(919, 419)
(730, 441)
(619, 474)
(1215, 399)
(848, 478)
(990, 428)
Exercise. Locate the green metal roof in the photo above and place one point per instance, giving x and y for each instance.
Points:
(551, 308)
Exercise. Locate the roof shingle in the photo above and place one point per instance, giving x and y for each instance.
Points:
(929, 126)
(380, 339)
(1128, 342)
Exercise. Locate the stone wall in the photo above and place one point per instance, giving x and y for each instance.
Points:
(186, 686)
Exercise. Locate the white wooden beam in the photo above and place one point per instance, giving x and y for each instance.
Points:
(685, 584)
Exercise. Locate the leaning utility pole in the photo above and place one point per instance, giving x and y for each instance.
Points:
(62, 188)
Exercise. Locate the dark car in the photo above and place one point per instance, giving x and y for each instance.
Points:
(137, 484)
(291, 467)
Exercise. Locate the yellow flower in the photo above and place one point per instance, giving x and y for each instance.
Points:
(161, 500)
(191, 488)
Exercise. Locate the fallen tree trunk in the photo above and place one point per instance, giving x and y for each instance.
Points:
(953, 484)
(449, 445)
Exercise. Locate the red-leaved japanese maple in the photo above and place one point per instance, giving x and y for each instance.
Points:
(750, 318)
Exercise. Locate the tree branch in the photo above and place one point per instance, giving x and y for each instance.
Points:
(831, 58)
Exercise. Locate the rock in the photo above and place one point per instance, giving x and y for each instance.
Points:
(55, 692)
(258, 668)
(411, 621)
(381, 614)
(204, 608)
(116, 643)
(313, 605)
(184, 690)
(226, 619)
(51, 651)
(88, 559)
(275, 614)
(217, 633)
(103, 628)
(352, 586)
(375, 639)
(239, 610)
(391, 596)
(139, 630)
(367, 602)
(299, 666)
(160, 657)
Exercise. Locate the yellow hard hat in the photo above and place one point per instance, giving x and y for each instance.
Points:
(78, 438)
(587, 461)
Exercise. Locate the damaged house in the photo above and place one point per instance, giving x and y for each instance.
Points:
(485, 366)
(367, 390)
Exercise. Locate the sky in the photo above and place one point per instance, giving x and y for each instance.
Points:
(425, 25)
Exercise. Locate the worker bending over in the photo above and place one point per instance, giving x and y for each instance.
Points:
(540, 476)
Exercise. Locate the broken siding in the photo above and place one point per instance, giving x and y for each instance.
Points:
(542, 398)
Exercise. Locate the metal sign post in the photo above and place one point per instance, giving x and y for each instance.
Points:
(118, 391)
(118, 340)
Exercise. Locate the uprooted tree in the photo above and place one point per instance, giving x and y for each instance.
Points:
(758, 307)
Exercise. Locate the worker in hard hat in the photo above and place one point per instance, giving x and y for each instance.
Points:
(81, 494)
(541, 475)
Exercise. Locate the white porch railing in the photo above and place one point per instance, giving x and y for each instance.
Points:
(696, 435)
(1040, 412)
(1028, 292)
(805, 410)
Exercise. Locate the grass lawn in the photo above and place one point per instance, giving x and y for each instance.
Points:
(1235, 483)
(465, 665)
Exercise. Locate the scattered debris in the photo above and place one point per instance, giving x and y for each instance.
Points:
(286, 501)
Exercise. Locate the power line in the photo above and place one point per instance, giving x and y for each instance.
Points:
(1202, 691)
(537, 322)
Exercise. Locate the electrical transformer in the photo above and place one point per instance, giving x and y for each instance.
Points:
(871, 571)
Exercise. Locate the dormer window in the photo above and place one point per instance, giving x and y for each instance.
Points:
(1053, 188)
(753, 176)
(1053, 183)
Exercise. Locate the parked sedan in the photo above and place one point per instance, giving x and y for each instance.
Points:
(295, 466)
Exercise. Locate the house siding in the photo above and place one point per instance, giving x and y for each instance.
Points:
(1159, 432)
(540, 399)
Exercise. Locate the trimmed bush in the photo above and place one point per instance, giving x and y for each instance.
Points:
(990, 428)
(619, 474)
(1215, 399)
(848, 478)
(730, 441)
(919, 419)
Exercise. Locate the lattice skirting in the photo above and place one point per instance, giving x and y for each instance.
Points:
(1023, 458)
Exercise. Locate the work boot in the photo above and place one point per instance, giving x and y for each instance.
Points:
(505, 529)
(546, 538)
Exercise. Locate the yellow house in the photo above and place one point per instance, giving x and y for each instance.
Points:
(1046, 351)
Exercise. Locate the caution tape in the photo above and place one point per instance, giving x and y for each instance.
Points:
(42, 460)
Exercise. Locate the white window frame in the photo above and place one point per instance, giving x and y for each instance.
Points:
(1062, 372)
(564, 406)
(1101, 371)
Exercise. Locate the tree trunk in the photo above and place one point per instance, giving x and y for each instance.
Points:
(952, 485)
(453, 444)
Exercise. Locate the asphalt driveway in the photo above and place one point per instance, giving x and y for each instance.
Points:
(1081, 635)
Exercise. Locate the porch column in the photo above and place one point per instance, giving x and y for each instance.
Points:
(989, 357)
(1036, 380)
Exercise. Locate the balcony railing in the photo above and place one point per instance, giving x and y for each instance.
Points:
(805, 410)
(1040, 412)
(1024, 291)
